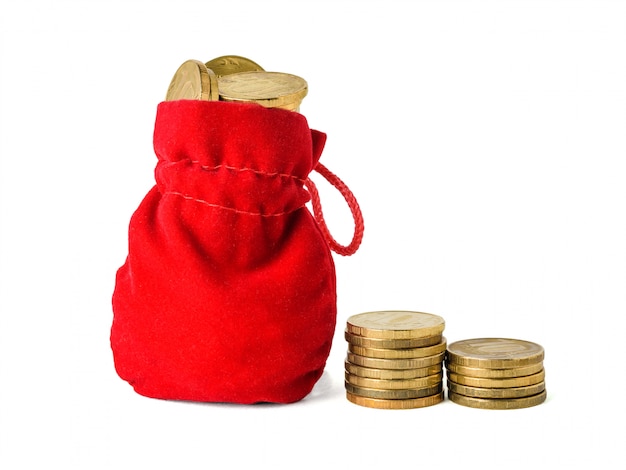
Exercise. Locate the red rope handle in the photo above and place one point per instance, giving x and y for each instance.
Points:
(352, 203)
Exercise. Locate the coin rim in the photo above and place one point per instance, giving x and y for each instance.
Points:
(391, 374)
(467, 359)
(393, 384)
(208, 82)
(284, 100)
(400, 394)
(379, 343)
(394, 333)
(496, 393)
(249, 61)
(508, 382)
(498, 403)
(400, 404)
(393, 364)
(408, 353)
(485, 372)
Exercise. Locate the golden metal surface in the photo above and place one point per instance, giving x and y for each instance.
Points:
(395, 324)
(514, 392)
(269, 89)
(388, 374)
(494, 373)
(193, 81)
(394, 384)
(494, 353)
(402, 394)
(229, 64)
(395, 404)
(374, 363)
(410, 353)
(497, 383)
(366, 342)
(498, 403)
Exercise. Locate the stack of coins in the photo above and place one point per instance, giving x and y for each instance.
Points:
(236, 79)
(395, 359)
(496, 373)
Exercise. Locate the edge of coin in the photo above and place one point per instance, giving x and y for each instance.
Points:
(394, 364)
(394, 384)
(496, 393)
(400, 404)
(390, 332)
(377, 343)
(399, 394)
(245, 65)
(391, 374)
(509, 382)
(489, 373)
(208, 82)
(498, 403)
(409, 353)
(465, 358)
(289, 100)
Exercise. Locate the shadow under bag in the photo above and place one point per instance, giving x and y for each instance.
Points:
(228, 290)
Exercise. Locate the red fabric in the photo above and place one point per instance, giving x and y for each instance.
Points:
(228, 291)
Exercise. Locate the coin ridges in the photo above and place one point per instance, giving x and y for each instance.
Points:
(394, 384)
(509, 382)
(367, 342)
(498, 403)
(494, 373)
(409, 353)
(375, 363)
(400, 394)
(395, 404)
(513, 392)
(390, 374)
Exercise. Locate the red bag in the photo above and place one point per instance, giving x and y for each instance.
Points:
(228, 291)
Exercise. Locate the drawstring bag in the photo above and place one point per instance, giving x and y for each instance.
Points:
(228, 291)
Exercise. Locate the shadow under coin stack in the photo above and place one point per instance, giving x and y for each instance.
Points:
(395, 359)
(496, 373)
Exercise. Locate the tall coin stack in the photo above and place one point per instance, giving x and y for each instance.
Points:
(496, 373)
(395, 359)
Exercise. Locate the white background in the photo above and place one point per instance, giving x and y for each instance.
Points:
(485, 142)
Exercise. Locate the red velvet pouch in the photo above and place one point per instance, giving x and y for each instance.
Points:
(228, 291)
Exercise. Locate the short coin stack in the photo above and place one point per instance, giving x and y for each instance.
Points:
(496, 373)
(395, 359)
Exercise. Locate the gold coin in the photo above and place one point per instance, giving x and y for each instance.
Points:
(391, 343)
(394, 394)
(498, 403)
(193, 81)
(394, 384)
(514, 392)
(390, 374)
(411, 353)
(375, 363)
(509, 382)
(395, 324)
(229, 64)
(494, 353)
(494, 373)
(395, 404)
(269, 89)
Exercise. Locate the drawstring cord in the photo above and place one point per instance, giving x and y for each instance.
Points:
(352, 204)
